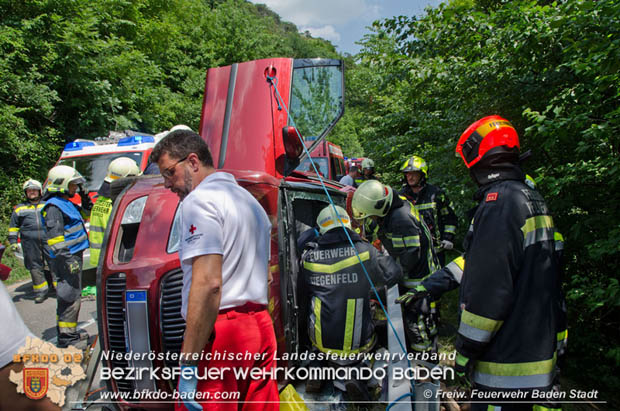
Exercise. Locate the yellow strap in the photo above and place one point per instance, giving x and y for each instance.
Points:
(479, 322)
(516, 369)
(318, 337)
(56, 240)
(350, 322)
(334, 268)
(18, 209)
(13, 229)
(64, 324)
(38, 287)
(540, 221)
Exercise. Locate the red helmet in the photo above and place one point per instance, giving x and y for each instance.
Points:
(484, 135)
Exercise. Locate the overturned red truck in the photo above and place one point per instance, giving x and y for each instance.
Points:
(245, 123)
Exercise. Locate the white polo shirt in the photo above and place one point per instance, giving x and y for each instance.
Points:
(221, 217)
(13, 331)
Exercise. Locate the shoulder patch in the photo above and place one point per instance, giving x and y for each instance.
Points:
(491, 197)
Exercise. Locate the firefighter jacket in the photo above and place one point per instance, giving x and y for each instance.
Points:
(407, 239)
(510, 297)
(434, 206)
(446, 279)
(26, 222)
(99, 216)
(339, 292)
(66, 234)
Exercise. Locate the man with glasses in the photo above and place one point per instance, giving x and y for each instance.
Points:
(224, 253)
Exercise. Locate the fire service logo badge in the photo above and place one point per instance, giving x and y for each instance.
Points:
(35, 382)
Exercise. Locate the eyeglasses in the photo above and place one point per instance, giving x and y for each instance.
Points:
(169, 172)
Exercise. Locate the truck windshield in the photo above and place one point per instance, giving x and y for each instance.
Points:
(95, 167)
(316, 97)
(321, 165)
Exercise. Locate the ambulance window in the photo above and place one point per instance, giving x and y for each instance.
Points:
(94, 168)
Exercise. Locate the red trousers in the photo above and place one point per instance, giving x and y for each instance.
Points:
(239, 331)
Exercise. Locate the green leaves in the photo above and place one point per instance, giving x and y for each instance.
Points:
(78, 68)
(553, 71)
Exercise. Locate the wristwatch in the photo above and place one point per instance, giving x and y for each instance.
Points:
(184, 361)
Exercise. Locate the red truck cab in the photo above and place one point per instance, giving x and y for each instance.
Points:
(327, 158)
(246, 125)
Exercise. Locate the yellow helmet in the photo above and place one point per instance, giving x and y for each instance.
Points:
(371, 198)
(32, 184)
(415, 163)
(59, 177)
(121, 167)
(328, 218)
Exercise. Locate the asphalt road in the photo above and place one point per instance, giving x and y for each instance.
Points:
(41, 319)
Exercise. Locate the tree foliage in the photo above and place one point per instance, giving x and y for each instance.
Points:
(552, 70)
(79, 68)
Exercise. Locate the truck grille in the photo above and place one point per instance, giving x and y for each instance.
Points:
(172, 323)
(115, 309)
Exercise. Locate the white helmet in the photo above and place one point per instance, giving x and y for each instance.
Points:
(371, 198)
(180, 127)
(32, 184)
(121, 167)
(328, 219)
(59, 177)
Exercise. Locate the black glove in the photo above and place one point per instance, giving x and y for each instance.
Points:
(419, 299)
(461, 365)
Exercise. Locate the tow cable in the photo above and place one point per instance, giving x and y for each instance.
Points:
(273, 82)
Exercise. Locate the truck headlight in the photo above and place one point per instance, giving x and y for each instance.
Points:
(133, 212)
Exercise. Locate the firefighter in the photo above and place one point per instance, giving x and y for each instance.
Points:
(407, 239)
(510, 298)
(67, 238)
(339, 292)
(432, 203)
(26, 223)
(118, 168)
(368, 170)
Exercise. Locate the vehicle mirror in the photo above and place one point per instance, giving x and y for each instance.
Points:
(293, 145)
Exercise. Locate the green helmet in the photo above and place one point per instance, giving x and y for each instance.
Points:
(59, 177)
(368, 163)
(371, 198)
(415, 163)
(328, 219)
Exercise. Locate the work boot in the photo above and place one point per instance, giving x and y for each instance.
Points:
(314, 386)
(356, 391)
(39, 298)
(79, 340)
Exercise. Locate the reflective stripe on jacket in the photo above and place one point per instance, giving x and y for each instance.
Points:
(74, 236)
(510, 292)
(26, 221)
(436, 209)
(407, 239)
(99, 216)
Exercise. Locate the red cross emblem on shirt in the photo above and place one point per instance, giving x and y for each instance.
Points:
(192, 229)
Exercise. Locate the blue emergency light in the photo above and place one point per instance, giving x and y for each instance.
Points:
(78, 145)
(133, 140)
